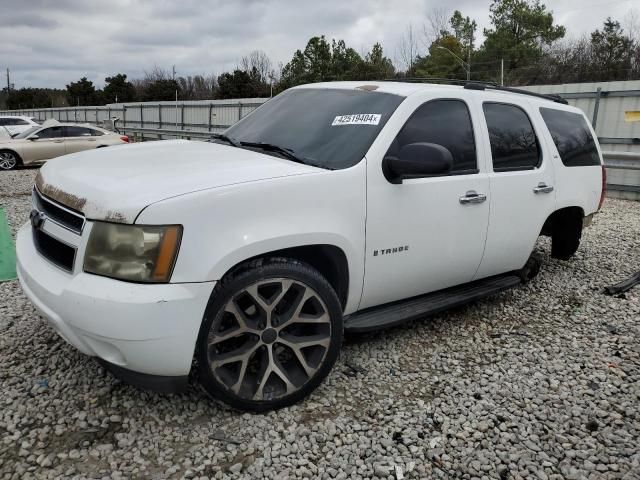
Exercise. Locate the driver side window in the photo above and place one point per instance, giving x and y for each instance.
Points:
(51, 132)
(446, 123)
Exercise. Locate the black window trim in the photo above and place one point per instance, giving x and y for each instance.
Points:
(469, 171)
(535, 132)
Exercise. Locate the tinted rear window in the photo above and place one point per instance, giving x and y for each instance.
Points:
(572, 137)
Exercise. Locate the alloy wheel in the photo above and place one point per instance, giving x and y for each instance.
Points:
(7, 160)
(270, 339)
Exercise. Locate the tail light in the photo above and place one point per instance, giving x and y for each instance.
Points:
(604, 186)
(124, 138)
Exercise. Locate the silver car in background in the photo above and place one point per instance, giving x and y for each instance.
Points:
(52, 139)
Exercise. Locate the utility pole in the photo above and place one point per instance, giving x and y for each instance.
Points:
(8, 83)
(502, 72)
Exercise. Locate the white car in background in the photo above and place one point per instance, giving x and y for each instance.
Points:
(17, 124)
(52, 139)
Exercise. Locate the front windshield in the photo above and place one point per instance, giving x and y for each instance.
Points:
(26, 133)
(329, 128)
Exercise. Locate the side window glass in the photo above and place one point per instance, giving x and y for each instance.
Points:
(572, 137)
(446, 123)
(96, 133)
(514, 145)
(51, 132)
(77, 132)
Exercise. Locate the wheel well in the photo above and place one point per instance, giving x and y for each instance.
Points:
(329, 260)
(18, 157)
(562, 217)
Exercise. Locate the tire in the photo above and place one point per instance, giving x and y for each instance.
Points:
(565, 239)
(531, 268)
(249, 351)
(9, 160)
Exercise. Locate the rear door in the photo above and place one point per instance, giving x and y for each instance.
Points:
(522, 177)
(426, 233)
(78, 139)
(49, 144)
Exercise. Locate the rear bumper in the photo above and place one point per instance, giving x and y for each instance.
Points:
(148, 329)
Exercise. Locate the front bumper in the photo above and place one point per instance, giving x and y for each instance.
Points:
(147, 329)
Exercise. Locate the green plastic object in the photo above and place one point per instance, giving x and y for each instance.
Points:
(7, 250)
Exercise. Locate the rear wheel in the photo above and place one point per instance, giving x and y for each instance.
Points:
(271, 334)
(8, 160)
(565, 238)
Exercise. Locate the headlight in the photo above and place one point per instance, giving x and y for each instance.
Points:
(135, 253)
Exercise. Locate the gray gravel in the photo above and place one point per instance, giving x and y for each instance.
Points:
(539, 382)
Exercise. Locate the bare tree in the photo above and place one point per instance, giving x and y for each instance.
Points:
(631, 24)
(408, 49)
(259, 60)
(156, 73)
(436, 26)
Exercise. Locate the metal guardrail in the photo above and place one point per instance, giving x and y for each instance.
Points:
(622, 160)
(142, 134)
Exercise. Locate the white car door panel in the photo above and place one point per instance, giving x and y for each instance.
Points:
(428, 233)
(522, 185)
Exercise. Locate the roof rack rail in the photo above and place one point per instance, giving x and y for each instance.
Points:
(485, 86)
(449, 81)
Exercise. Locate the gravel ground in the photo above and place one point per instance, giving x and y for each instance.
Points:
(539, 382)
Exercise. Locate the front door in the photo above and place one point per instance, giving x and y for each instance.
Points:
(522, 185)
(49, 144)
(428, 233)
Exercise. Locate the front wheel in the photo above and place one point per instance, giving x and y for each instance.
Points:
(271, 333)
(8, 160)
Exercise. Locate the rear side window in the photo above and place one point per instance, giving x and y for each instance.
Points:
(514, 145)
(572, 137)
(77, 132)
(446, 123)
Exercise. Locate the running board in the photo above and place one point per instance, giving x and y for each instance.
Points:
(390, 315)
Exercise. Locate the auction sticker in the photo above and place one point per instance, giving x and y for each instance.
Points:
(357, 119)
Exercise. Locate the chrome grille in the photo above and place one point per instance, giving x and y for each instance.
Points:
(57, 213)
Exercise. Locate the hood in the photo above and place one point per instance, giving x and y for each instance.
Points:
(116, 183)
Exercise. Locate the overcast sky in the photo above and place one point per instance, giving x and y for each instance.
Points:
(48, 43)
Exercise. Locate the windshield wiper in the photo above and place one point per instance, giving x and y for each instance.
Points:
(222, 136)
(288, 153)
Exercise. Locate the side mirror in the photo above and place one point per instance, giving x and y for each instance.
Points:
(417, 160)
(34, 137)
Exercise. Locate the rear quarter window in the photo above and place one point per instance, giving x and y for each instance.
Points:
(572, 137)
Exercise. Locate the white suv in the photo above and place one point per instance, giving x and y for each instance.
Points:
(333, 207)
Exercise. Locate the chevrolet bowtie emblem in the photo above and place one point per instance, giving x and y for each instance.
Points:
(37, 219)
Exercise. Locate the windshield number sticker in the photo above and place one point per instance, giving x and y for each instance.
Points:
(357, 119)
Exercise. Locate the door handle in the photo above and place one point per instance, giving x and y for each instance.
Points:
(543, 188)
(58, 141)
(472, 197)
